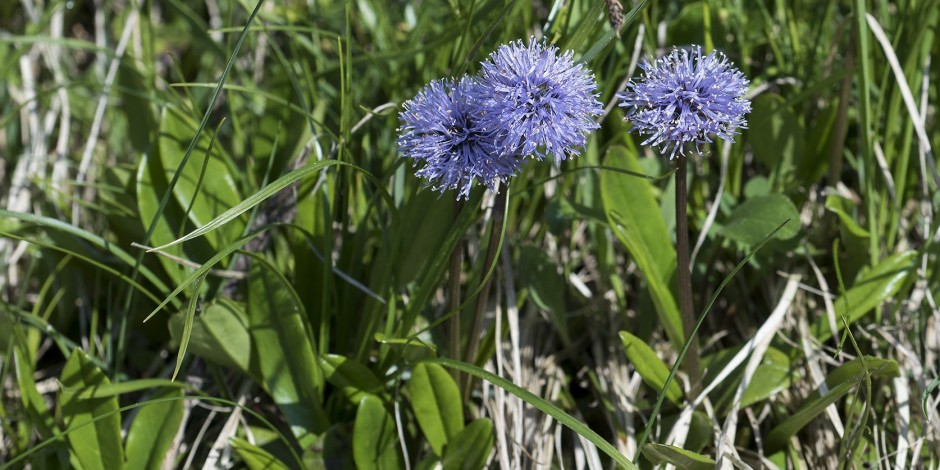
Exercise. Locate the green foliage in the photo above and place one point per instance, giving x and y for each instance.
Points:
(437, 405)
(92, 426)
(204, 204)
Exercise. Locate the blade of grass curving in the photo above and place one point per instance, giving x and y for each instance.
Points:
(63, 342)
(121, 388)
(235, 246)
(87, 236)
(701, 319)
(95, 263)
(188, 325)
(849, 448)
(254, 200)
(542, 405)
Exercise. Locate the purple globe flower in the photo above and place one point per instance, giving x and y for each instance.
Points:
(539, 102)
(441, 127)
(686, 99)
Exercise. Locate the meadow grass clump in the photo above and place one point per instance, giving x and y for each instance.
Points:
(354, 234)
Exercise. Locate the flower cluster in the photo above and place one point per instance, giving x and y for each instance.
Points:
(685, 99)
(528, 101)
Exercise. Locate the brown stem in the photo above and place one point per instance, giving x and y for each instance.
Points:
(684, 277)
(496, 229)
(456, 260)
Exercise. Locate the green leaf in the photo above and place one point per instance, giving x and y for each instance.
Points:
(131, 386)
(781, 136)
(542, 405)
(874, 287)
(96, 445)
(836, 204)
(854, 370)
(208, 196)
(153, 430)
(219, 335)
(150, 186)
(134, 106)
(661, 454)
(436, 401)
(634, 215)
(772, 376)
(425, 222)
(840, 381)
(470, 448)
(778, 437)
(33, 402)
(353, 378)
(650, 367)
(255, 457)
(284, 351)
(750, 222)
(375, 438)
(538, 274)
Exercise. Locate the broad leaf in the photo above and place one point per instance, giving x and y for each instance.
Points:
(283, 349)
(635, 217)
(153, 430)
(650, 367)
(96, 445)
(220, 335)
(203, 195)
(353, 378)
(436, 401)
(375, 438)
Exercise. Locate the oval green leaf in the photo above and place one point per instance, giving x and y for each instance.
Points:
(94, 445)
(436, 402)
(375, 438)
(153, 430)
(650, 367)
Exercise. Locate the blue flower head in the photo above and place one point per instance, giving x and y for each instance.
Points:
(441, 127)
(537, 101)
(685, 99)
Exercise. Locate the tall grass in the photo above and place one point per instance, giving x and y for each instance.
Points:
(214, 255)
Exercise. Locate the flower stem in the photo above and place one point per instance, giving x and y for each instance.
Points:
(684, 277)
(456, 260)
(492, 249)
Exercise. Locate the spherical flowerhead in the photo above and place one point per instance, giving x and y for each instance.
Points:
(685, 99)
(539, 102)
(441, 128)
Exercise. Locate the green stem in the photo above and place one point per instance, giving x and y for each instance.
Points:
(684, 277)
